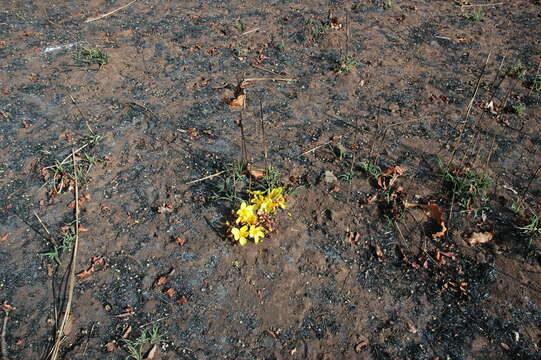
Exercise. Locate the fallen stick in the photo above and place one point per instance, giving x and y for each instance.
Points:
(319, 146)
(71, 280)
(270, 79)
(3, 342)
(90, 19)
(206, 177)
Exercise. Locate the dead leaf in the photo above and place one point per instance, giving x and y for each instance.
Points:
(393, 173)
(411, 328)
(479, 238)
(505, 346)
(256, 173)
(4, 238)
(94, 261)
(182, 300)
(434, 212)
(362, 342)
(238, 101)
(165, 208)
(240, 96)
(6, 307)
(161, 280)
(379, 253)
(110, 346)
(180, 240)
(152, 353)
(354, 237)
(85, 273)
(127, 313)
(170, 292)
(126, 332)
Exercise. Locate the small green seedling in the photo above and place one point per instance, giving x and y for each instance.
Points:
(475, 16)
(518, 70)
(136, 347)
(346, 64)
(519, 108)
(533, 229)
(92, 56)
(468, 187)
(371, 169)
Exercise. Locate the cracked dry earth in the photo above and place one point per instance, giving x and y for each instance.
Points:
(339, 278)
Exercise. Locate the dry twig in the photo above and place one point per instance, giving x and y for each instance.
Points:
(90, 19)
(71, 279)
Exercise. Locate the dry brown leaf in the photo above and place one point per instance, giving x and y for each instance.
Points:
(126, 332)
(379, 253)
(165, 208)
(110, 346)
(256, 173)
(238, 101)
(170, 292)
(434, 212)
(394, 172)
(182, 300)
(6, 307)
(151, 355)
(85, 273)
(180, 240)
(161, 280)
(4, 238)
(479, 238)
(409, 205)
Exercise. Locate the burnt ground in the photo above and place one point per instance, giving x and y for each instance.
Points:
(347, 274)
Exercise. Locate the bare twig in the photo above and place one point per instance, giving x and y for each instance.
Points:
(468, 111)
(269, 79)
(71, 279)
(263, 138)
(42, 224)
(250, 31)
(3, 342)
(109, 13)
(481, 5)
(206, 177)
(319, 146)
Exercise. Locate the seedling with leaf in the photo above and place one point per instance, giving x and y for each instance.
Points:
(92, 56)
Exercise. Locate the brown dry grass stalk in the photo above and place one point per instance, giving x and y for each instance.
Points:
(71, 280)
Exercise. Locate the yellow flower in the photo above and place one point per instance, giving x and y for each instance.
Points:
(256, 232)
(240, 234)
(276, 195)
(246, 214)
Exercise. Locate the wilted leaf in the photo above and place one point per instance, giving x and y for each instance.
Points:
(240, 96)
(393, 173)
(152, 353)
(362, 342)
(434, 212)
(379, 253)
(170, 292)
(182, 300)
(479, 238)
(256, 173)
(110, 346)
(161, 280)
(95, 261)
(180, 241)
(6, 307)
(165, 208)
(4, 238)
(126, 332)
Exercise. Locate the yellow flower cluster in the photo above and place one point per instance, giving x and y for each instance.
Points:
(252, 217)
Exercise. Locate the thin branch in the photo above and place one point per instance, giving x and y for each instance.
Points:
(109, 13)
(206, 177)
(71, 279)
(3, 342)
